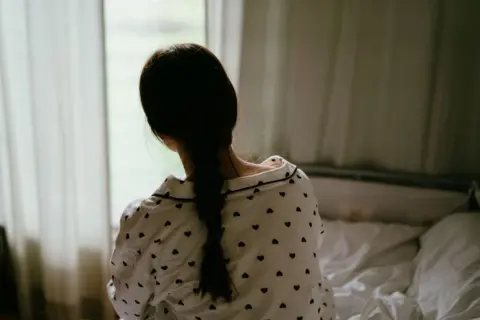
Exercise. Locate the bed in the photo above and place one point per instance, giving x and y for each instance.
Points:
(399, 251)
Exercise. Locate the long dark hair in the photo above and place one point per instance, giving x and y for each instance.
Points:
(187, 96)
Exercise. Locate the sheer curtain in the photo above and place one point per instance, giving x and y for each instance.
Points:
(391, 84)
(224, 19)
(53, 162)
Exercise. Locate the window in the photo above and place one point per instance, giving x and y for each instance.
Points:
(133, 30)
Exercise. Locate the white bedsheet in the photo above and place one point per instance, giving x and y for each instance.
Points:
(370, 266)
(447, 278)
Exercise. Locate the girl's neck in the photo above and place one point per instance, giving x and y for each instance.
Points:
(231, 165)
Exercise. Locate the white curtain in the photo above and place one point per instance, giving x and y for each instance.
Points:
(53, 162)
(391, 84)
(224, 21)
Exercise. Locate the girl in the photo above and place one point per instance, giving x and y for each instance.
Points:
(234, 240)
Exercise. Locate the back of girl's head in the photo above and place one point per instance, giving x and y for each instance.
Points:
(187, 97)
(186, 94)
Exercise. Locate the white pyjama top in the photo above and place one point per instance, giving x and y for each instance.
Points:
(271, 239)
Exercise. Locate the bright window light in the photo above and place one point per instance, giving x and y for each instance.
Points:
(133, 30)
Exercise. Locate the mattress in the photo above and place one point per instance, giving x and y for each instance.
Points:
(394, 271)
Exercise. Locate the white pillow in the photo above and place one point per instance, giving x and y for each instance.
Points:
(447, 277)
